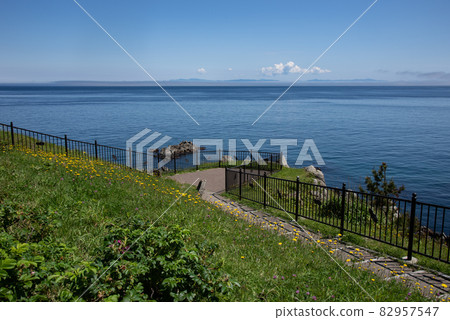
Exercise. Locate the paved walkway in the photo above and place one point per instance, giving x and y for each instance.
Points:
(431, 283)
(213, 179)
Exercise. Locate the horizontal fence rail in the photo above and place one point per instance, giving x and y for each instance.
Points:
(261, 161)
(408, 224)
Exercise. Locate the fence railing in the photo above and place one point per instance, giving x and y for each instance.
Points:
(409, 224)
(133, 159)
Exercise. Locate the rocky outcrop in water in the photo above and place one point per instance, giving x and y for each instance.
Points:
(184, 147)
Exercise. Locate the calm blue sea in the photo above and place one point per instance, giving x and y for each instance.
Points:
(354, 128)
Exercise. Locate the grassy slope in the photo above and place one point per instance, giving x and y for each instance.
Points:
(83, 197)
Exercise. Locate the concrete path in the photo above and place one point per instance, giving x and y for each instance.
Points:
(214, 178)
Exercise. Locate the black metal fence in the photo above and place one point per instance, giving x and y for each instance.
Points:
(34, 140)
(412, 225)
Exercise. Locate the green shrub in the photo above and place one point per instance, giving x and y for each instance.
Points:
(25, 224)
(379, 184)
(161, 265)
(26, 270)
(135, 264)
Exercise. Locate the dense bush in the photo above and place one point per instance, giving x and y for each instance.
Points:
(156, 264)
(137, 263)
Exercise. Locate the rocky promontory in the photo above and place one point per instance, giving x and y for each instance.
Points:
(319, 177)
(184, 147)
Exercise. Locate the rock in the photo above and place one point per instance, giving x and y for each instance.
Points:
(167, 152)
(316, 172)
(412, 261)
(424, 231)
(283, 161)
(184, 147)
(319, 183)
(445, 238)
(229, 159)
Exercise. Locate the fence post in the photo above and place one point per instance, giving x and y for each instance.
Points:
(197, 160)
(297, 197)
(96, 150)
(343, 209)
(220, 158)
(226, 179)
(174, 162)
(12, 133)
(265, 188)
(280, 158)
(65, 145)
(412, 220)
(271, 169)
(130, 157)
(240, 183)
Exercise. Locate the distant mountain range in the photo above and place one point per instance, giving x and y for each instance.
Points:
(197, 81)
(174, 82)
(346, 80)
(231, 82)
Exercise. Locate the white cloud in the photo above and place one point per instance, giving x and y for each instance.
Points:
(318, 70)
(289, 67)
(201, 70)
(230, 69)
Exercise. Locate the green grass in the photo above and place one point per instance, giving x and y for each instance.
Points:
(293, 173)
(82, 199)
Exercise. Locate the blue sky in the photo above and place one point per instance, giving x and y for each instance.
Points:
(397, 40)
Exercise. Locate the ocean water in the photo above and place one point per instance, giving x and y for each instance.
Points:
(354, 128)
